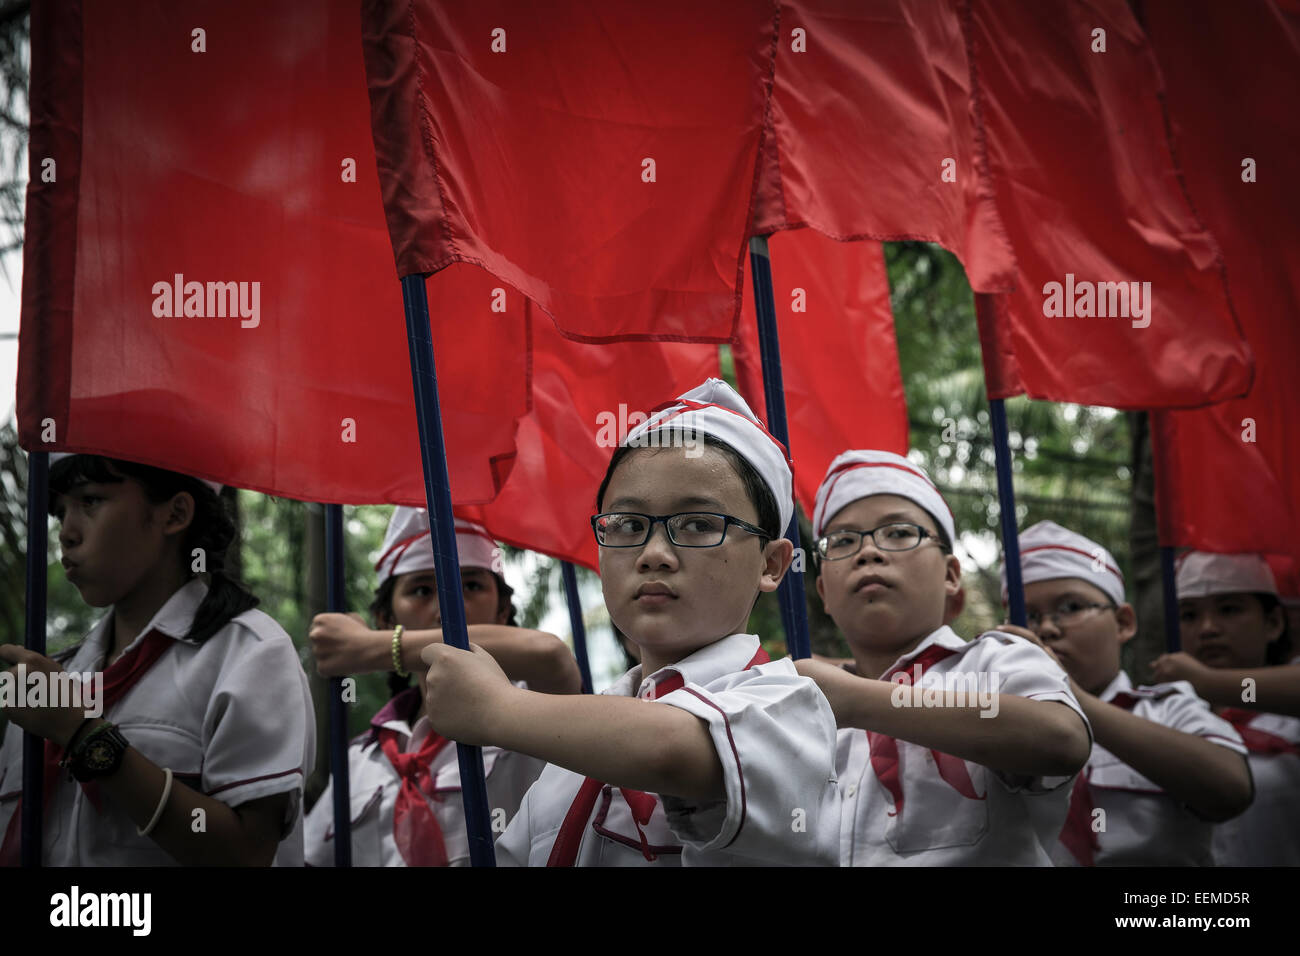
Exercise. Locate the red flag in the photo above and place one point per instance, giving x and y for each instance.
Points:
(1094, 202)
(586, 398)
(1229, 476)
(839, 357)
(598, 158)
(278, 361)
(872, 136)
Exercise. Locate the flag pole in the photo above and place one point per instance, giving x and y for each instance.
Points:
(794, 608)
(38, 498)
(437, 490)
(1007, 509)
(336, 602)
(576, 624)
(1169, 590)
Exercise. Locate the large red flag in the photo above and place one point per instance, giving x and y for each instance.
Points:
(208, 283)
(1121, 298)
(1229, 476)
(839, 357)
(872, 133)
(599, 158)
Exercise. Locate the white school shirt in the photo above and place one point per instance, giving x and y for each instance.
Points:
(1143, 825)
(1016, 817)
(775, 737)
(230, 716)
(374, 786)
(1268, 832)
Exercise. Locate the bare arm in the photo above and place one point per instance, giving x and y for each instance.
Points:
(1034, 737)
(343, 644)
(1213, 781)
(246, 835)
(623, 741)
(1273, 689)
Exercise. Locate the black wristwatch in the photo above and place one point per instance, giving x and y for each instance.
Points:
(99, 755)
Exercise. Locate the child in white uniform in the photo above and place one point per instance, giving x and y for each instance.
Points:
(950, 752)
(703, 754)
(1231, 621)
(406, 804)
(1163, 767)
(206, 734)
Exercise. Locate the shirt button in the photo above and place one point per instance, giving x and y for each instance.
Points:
(853, 788)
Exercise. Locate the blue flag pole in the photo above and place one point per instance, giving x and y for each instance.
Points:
(1173, 638)
(38, 500)
(794, 608)
(336, 602)
(575, 623)
(437, 490)
(1007, 509)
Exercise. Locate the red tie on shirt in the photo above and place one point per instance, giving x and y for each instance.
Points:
(1077, 835)
(565, 850)
(118, 679)
(415, 828)
(884, 748)
(1257, 741)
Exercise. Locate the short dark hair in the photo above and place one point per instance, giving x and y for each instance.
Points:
(760, 495)
(1279, 649)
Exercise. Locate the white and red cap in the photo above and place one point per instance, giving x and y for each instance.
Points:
(1049, 552)
(861, 474)
(715, 408)
(60, 455)
(1203, 574)
(408, 545)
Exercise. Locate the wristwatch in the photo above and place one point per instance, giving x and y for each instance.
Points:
(99, 755)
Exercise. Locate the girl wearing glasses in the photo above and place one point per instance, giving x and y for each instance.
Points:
(705, 752)
(1237, 647)
(1163, 767)
(950, 753)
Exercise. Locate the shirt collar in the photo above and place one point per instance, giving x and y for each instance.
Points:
(1120, 684)
(174, 619)
(944, 636)
(702, 666)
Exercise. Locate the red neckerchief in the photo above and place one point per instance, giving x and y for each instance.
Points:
(884, 748)
(1257, 741)
(118, 679)
(565, 850)
(1078, 835)
(415, 828)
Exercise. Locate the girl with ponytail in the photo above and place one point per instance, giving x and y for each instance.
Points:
(404, 778)
(193, 733)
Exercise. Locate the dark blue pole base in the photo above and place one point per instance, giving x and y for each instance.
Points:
(437, 490)
(38, 499)
(1173, 637)
(794, 607)
(336, 602)
(1007, 507)
(575, 622)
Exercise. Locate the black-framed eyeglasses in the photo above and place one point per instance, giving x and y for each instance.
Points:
(895, 536)
(1067, 613)
(687, 529)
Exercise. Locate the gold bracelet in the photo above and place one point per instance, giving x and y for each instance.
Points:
(397, 652)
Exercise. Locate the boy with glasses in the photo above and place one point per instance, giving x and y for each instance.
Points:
(1163, 766)
(968, 764)
(705, 753)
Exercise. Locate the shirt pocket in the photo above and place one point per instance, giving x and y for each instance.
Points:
(936, 814)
